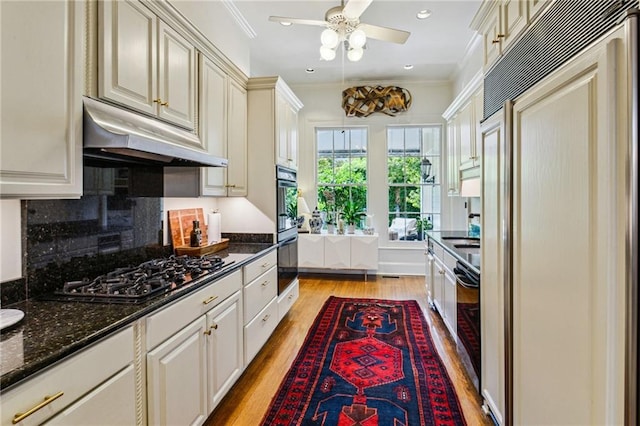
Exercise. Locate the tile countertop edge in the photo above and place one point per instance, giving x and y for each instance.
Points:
(130, 313)
(435, 236)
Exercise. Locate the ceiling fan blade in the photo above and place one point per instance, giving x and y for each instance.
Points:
(354, 8)
(298, 21)
(384, 33)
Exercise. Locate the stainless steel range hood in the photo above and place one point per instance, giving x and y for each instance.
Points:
(116, 135)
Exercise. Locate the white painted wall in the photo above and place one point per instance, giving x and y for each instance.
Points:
(215, 21)
(322, 107)
(206, 203)
(10, 240)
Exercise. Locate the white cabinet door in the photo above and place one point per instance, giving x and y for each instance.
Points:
(225, 347)
(128, 55)
(491, 290)
(292, 145)
(41, 106)
(514, 20)
(453, 155)
(111, 403)
(282, 154)
(337, 252)
(492, 36)
(568, 247)
(213, 124)
(237, 140)
(364, 252)
(450, 303)
(311, 251)
(177, 379)
(466, 135)
(176, 78)
(438, 285)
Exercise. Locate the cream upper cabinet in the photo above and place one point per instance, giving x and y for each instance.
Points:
(41, 114)
(273, 111)
(223, 130)
(287, 129)
(500, 22)
(237, 140)
(463, 123)
(144, 64)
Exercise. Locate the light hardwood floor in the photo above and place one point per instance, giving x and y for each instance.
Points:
(248, 400)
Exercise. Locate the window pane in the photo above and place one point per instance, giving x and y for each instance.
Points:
(414, 203)
(342, 169)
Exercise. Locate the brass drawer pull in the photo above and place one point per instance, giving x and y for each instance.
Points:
(157, 101)
(47, 400)
(214, 326)
(441, 272)
(497, 39)
(164, 104)
(264, 284)
(266, 317)
(207, 332)
(290, 297)
(229, 186)
(265, 264)
(209, 300)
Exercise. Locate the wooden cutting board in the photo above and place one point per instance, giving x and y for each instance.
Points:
(180, 226)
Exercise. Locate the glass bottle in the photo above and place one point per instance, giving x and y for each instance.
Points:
(196, 234)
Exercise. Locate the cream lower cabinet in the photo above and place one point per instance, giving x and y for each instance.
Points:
(225, 348)
(223, 130)
(194, 355)
(98, 383)
(41, 106)
(261, 303)
(329, 251)
(444, 288)
(177, 378)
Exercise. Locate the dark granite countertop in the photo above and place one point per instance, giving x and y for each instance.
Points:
(53, 330)
(470, 259)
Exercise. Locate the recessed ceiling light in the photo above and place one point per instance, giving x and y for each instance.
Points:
(285, 23)
(408, 67)
(423, 14)
(310, 70)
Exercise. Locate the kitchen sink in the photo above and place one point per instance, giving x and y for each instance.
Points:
(461, 238)
(460, 246)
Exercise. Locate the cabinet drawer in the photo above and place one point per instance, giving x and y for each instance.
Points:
(287, 299)
(260, 266)
(74, 378)
(176, 316)
(449, 261)
(259, 330)
(438, 251)
(260, 292)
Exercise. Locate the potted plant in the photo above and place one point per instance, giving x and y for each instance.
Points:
(422, 225)
(350, 216)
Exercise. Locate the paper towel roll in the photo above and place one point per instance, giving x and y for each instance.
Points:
(213, 229)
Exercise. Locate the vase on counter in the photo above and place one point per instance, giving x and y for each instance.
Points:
(315, 223)
(351, 228)
(331, 228)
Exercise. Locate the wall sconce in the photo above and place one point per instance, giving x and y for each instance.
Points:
(425, 169)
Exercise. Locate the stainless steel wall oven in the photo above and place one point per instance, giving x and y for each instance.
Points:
(287, 226)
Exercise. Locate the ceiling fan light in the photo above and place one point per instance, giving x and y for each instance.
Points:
(355, 54)
(357, 38)
(327, 54)
(329, 38)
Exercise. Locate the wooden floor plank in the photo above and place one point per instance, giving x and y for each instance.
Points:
(248, 400)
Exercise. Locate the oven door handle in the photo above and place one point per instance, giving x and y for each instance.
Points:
(465, 282)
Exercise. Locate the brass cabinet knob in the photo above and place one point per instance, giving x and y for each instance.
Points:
(164, 104)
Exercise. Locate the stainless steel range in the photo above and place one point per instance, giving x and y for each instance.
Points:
(140, 283)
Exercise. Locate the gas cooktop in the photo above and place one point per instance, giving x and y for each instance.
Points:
(142, 282)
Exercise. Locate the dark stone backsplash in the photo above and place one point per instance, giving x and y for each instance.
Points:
(68, 240)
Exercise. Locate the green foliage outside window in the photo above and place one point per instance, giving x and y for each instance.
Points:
(344, 180)
(403, 197)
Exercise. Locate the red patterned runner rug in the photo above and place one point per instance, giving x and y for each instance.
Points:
(366, 362)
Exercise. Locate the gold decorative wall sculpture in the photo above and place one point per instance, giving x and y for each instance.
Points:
(362, 101)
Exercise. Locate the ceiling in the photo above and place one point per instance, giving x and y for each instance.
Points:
(435, 47)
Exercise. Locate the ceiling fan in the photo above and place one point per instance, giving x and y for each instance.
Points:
(343, 24)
